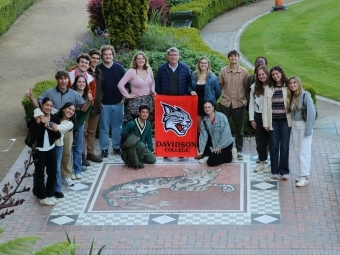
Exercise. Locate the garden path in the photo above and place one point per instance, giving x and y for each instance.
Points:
(46, 31)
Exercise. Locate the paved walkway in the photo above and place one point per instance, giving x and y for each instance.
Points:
(233, 211)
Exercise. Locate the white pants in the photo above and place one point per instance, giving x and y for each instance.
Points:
(303, 147)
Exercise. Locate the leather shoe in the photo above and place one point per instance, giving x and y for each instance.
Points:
(84, 161)
(94, 158)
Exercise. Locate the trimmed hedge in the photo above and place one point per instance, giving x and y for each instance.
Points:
(10, 10)
(205, 10)
(38, 88)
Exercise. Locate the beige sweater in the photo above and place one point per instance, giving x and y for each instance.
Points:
(267, 108)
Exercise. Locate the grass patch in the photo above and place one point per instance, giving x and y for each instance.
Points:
(303, 40)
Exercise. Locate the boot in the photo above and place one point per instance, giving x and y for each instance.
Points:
(84, 161)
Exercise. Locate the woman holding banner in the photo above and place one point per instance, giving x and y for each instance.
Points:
(215, 141)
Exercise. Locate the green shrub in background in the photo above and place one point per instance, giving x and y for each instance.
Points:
(205, 10)
(10, 10)
(177, 2)
(311, 90)
(38, 88)
(126, 21)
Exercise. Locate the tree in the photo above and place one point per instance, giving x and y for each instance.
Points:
(126, 21)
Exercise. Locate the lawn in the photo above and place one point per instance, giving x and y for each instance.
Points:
(304, 40)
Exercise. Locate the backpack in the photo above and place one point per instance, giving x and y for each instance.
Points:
(304, 109)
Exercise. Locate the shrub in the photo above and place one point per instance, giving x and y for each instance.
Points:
(83, 44)
(177, 2)
(311, 90)
(10, 10)
(95, 11)
(37, 90)
(158, 39)
(205, 11)
(126, 21)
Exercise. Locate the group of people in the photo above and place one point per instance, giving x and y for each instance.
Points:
(66, 117)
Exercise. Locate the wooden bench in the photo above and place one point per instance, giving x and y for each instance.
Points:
(181, 19)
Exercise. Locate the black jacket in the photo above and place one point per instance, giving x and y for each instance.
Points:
(38, 131)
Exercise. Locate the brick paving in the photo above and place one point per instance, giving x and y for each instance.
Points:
(309, 224)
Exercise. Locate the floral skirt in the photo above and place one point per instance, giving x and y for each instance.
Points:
(133, 104)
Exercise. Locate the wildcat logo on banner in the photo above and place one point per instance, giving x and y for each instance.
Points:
(176, 126)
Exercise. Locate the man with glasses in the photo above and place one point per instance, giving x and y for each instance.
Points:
(173, 77)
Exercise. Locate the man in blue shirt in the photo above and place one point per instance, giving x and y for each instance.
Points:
(113, 102)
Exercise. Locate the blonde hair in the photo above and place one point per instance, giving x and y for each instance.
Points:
(199, 72)
(134, 62)
(107, 47)
(294, 96)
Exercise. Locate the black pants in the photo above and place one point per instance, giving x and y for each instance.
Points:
(262, 137)
(215, 159)
(44, 159)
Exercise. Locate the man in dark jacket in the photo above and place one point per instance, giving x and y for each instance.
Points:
(173, 77)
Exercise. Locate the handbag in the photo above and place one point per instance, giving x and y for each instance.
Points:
(30, 141)
(304, 109)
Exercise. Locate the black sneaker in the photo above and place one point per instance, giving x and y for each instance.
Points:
(105, 153)
(59, 194)
(117, 151)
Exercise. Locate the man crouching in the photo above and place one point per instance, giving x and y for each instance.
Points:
(136, 141)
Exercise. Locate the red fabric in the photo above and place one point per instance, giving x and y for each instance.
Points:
(176, 126)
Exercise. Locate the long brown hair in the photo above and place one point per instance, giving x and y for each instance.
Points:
(294, 96)
(258, 89)
(86, 89)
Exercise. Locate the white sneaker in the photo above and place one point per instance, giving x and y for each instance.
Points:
(285, 177)
(73, 177)
(78, 176)
(46, 201)
(259, 167)
(302, 182)
(275, 177)
(297, 179)
(203, 160)
(240, 156)
(267, 169)
(54, 200)
(234, 153)
(68, 182)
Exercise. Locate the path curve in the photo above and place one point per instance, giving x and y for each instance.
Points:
(46, 31)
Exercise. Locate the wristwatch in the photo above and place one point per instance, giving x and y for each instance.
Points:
(50, 124)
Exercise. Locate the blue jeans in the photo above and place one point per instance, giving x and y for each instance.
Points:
(59, 155)
(111, 116)
(279, 147)
(77, 149)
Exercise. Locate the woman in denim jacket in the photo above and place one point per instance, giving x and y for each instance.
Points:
(302, 130)
(215, 141)
(205, 85)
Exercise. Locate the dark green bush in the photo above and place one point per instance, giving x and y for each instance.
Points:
(126, 21)
(177, 2)
(311, 90)
(38, 88)
(205, 11)
(10, 10)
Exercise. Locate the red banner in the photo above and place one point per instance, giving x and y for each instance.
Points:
(176, 126)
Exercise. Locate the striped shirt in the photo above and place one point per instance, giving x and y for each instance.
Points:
(278, 105)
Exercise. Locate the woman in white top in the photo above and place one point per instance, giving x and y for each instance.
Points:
(142, 84)
(302, 129)
(256, 104)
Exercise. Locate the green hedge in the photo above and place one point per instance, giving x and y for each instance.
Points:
(205, 10)
(10, 10)
(38, 88)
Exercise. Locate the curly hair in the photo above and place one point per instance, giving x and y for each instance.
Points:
(284, 79)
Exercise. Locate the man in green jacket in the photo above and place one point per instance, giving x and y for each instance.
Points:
(142, 128)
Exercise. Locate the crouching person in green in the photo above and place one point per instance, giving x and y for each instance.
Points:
(136, 141)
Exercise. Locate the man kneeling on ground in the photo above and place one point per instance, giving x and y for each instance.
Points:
(136, 141)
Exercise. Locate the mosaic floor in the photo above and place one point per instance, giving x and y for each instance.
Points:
(170, 192)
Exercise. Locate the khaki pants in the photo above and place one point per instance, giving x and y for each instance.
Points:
(66, 164)
(90, 133)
